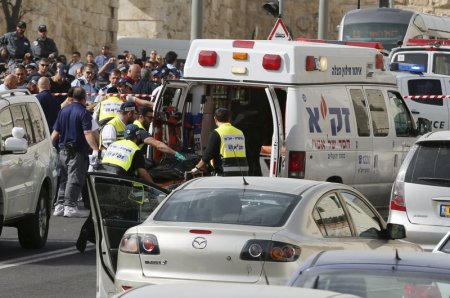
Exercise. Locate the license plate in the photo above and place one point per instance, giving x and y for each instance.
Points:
(445, 211)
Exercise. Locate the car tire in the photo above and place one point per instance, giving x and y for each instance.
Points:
(33, 231)
(1, 224)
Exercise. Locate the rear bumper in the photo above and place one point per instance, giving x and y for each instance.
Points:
(427, 236)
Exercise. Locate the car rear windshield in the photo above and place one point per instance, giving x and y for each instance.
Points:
(230, 206)
(430, 164)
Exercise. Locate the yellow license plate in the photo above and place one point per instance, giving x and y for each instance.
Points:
(445, 211)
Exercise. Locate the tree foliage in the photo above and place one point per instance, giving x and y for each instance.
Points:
(13, 12)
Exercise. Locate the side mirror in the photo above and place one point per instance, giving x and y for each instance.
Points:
(395, 231)
(423, 126)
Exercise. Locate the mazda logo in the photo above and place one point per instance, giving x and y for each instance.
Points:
(199, 243)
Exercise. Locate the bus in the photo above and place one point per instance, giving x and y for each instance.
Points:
(391, 26)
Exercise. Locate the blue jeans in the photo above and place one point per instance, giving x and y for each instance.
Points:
(73, 171)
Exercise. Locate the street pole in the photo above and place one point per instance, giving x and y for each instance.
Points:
(196, 19)
(280, 9)
(323, 19)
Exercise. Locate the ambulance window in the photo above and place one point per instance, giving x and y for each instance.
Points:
(402, 118)
(378, 112)
(426, 87)
(362, 118)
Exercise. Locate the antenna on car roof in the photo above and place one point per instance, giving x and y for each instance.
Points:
(397, 257)
(239, 165)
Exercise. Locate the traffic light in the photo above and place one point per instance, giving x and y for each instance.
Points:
(273, 8)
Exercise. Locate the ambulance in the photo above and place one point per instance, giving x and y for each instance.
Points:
(316, 110)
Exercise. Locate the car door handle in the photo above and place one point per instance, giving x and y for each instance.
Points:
(415, 112)
(19, 161)
(36, 155)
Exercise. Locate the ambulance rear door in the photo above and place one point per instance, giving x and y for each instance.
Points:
(276, 158)
(170, 113)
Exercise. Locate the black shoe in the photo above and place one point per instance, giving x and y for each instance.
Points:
(82, 241)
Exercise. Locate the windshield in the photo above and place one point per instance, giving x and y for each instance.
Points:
(430, 164)
(230, 206)
(386, 33)
(413, 58)
(378, 283)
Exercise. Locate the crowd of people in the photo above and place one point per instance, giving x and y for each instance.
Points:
(22, 63)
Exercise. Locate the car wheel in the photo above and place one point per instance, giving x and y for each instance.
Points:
(33, 231)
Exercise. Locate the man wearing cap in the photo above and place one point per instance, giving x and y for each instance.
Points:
(58, 82)
(114, 129)
(32, 83)
(16, 43)
(124, 157)
(125, 87)
(44, 47)
(31, 68)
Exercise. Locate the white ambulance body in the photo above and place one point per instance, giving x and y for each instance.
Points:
(325, 111)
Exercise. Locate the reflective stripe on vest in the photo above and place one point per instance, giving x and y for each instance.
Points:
(109, 107)
(232, 148)
(120, 154)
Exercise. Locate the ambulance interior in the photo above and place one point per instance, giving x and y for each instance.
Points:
(193, 113)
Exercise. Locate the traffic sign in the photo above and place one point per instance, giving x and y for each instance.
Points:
(279, 31)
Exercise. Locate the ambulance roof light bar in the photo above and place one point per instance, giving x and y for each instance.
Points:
(428, 42)
(412, 68)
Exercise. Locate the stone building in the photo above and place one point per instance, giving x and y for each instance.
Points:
(86, 25)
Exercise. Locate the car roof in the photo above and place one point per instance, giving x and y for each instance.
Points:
(442, 135)
(226, 290)
(273, 184)
(387, 257)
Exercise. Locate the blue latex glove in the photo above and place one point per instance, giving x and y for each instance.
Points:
(180, 156)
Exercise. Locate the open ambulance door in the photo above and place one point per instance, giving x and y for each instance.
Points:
(278, 133)
(169, 115)
(117, 203)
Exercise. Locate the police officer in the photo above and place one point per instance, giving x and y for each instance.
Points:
(16, 43)
(73, 129)
(44, 47)
(226, 148)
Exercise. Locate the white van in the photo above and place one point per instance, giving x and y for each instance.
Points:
(325, 111)
(427, 97)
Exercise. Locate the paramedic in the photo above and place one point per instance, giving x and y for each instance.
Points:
(226, 148)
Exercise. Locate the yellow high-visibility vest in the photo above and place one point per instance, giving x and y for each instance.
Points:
(232, 149)
(109, 108)
(120, 153)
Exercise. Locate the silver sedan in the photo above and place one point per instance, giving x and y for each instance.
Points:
(254, 230)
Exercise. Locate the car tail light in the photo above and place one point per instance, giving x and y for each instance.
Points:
(296, 165)
(270, 251)
(379, 62)
(271, 62)
(248, 44)
(419, 291)
(207, 58)
(398, 197)
(126, 288)
(139, 243)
